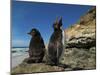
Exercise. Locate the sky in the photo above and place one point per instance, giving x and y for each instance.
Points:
(28, 15)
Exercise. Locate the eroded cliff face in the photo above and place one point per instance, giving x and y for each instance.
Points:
(80, 43)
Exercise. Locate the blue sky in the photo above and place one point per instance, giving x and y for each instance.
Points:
(28, 15)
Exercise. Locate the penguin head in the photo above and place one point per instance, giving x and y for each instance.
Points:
(57, 24)
(34, 32)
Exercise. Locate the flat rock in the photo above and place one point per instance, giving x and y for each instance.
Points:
(35, 68)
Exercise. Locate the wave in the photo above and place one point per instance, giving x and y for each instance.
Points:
(19, 51)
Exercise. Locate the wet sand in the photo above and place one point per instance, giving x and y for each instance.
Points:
(16, 60)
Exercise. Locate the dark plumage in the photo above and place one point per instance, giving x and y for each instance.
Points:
(36, 47)
(55, 46)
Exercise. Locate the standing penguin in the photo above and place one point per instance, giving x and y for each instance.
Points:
(55, 46)
(36, 47)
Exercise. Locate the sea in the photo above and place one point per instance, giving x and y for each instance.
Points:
(18, 54)
(17, 51)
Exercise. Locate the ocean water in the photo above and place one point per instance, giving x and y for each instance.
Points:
(19, 51)
(18, 55)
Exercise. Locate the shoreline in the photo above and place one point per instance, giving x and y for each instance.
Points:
(16, 60)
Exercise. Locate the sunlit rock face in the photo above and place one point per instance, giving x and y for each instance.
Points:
(80, 43)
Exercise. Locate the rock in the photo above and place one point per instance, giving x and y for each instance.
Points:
(34, 68)
(91, 14)
(80, 43)
(13, 51)
(81, 58)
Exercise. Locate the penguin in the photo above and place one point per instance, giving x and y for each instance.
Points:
(36, 47)
(55, 46)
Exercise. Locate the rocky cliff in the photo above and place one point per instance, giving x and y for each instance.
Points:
(80, 43)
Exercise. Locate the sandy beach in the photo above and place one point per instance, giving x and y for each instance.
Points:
(16, 60)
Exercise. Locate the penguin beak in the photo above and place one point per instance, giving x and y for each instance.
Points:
(29, 33)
